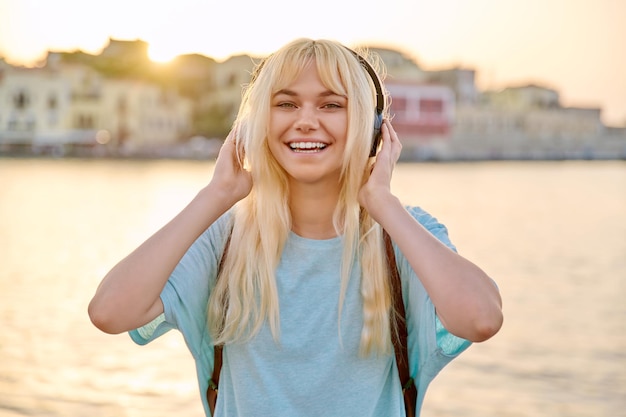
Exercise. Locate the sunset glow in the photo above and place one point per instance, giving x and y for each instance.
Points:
(574, 47)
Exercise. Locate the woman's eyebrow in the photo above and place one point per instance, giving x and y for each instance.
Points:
(329, 93)
(326, 93)
(285, 92)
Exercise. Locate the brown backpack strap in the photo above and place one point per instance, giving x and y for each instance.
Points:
(399, 339)
(211, 392)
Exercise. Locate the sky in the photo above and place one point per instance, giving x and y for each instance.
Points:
(577, 47)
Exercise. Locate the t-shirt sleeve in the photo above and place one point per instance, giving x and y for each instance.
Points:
(431, 224)
(427, 335)
(185, 295)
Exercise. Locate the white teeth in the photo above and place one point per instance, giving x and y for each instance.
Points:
(307, 146)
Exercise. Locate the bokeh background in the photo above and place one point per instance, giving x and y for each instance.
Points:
(573, 46)
(85, 178)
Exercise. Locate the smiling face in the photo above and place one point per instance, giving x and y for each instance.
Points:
(308, 128)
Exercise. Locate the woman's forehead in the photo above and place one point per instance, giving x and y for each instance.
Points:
(328, 76)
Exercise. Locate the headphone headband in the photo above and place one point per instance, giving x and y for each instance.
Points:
(380, 101)
(380, 97)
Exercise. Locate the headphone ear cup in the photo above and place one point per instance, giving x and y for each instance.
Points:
(378, 124)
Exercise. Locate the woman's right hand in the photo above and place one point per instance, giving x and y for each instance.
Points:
(229, 176)
(128, 296)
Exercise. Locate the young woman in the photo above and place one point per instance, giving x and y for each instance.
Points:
(302, 300)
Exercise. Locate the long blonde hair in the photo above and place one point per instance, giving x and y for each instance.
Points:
(246, 295)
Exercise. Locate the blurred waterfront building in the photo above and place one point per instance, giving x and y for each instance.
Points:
(119, 100)
(526, 122)
(34, 105)
(140, 115)
(423, 116)
(399, 66)
(223, 100)
(422, 110)
(518, 122)
(462, 81)
(72, 107)
(126, 50)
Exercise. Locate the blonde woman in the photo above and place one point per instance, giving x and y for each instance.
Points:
(302, 302)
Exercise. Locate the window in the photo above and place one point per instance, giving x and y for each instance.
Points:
(21, 100)
(431, 105)
(84, 121)
(398, 104)
(398, 108)
(52, 101)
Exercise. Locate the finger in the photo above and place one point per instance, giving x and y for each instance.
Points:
(392, 132)
(393, 136)
(390, 140)
(384, 133)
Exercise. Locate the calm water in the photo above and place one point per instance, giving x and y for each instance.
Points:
(553, 235)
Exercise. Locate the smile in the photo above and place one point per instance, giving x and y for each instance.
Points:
(308, 147)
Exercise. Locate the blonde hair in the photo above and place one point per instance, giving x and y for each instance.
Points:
(246, 295)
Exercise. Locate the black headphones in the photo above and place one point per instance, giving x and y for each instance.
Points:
(380, 101)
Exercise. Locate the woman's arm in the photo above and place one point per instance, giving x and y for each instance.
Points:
(466, 299)
(128, 296)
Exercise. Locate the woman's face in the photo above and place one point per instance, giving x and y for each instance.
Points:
(308, 127)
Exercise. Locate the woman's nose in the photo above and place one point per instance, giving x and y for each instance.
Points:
(307, 119)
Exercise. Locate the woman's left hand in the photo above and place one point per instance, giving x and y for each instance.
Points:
(377, 188)
(465, 298)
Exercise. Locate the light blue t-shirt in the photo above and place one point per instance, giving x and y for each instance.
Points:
(314, 369)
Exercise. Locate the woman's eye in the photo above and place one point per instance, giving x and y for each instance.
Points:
(332, 106)
(286, 105)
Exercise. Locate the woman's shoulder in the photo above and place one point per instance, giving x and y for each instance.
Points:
(431, 223)
(421, 215)
(217, 233)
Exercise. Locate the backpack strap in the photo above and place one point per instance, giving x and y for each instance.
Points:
(400, 342)
(399, 338)
(211, 392)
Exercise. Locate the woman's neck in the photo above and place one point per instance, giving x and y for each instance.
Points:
(312, 210)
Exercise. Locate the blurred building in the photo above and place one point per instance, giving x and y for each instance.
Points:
(72, 107)
(422, 112)
(134, 51)
(229, 79)
(525, 122)
(34, 106)
(517, 122)
(423, 116)
(119, 100)
(399, 66)
(462, 81)
(140, 115)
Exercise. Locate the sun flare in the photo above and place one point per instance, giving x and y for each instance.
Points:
(162, 54)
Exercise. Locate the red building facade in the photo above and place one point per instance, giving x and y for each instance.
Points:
(421, 112)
